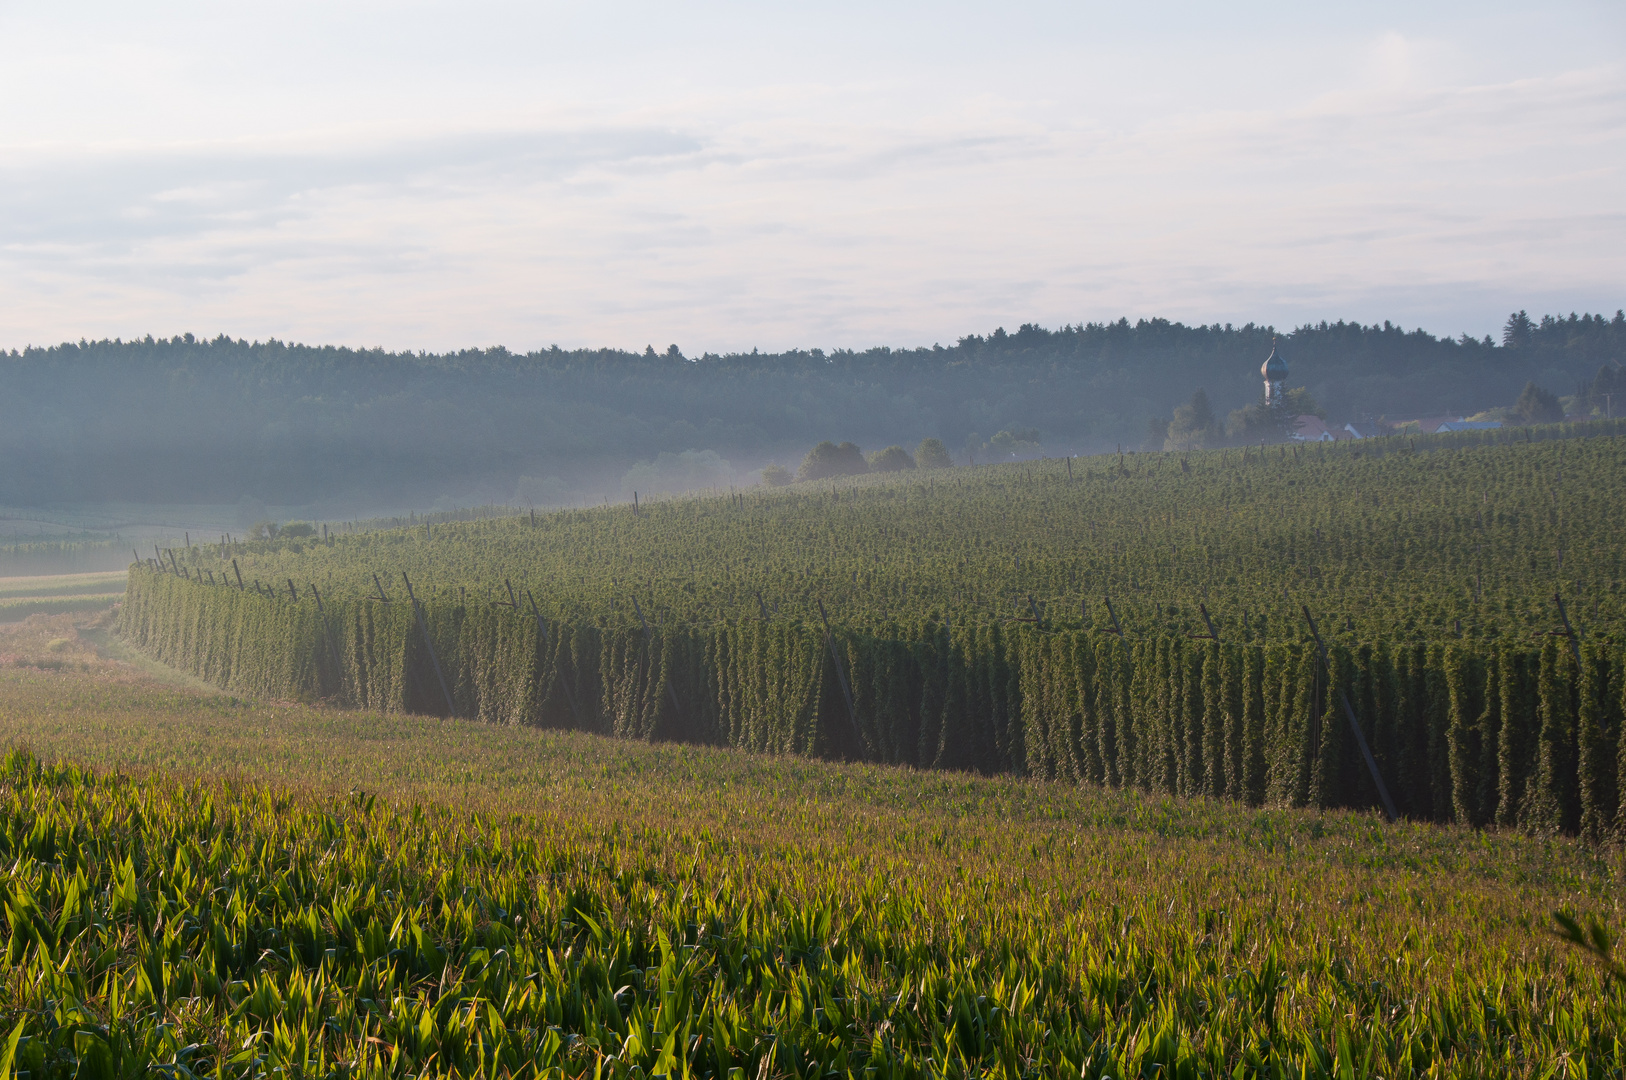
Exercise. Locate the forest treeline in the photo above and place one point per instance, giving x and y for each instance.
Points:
(223, 420)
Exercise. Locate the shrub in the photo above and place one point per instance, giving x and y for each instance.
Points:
(892, 459)
(828, 459)
(1538, 406)
(1194, 426)
(932, 454)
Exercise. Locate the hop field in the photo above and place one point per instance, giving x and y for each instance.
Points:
(1467, 667)
(222, 886)
(1383, 541)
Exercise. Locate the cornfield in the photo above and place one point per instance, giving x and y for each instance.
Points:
(230, 929)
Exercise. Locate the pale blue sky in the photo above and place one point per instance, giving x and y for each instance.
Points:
(729, 176)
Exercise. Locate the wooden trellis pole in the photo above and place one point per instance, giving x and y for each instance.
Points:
(423, 627)
(547, 640)
(1354, 724)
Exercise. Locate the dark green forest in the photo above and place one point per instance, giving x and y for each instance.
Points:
(224, 420)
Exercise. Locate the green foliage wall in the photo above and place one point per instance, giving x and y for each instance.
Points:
(1508, 734)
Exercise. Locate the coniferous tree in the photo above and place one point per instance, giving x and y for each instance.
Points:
(1518, 331)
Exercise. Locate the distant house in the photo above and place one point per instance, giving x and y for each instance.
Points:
(1312, 429)
(1430, 424)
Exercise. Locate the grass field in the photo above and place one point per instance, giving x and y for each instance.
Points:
(682, 910)
(58, 594)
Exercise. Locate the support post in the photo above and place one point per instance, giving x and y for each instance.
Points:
(670, 693)
(423, 627)
(1211, 631)
(1569, 631)
(547, 640)
(240, 586)
(1354, 724)
(1117, 628)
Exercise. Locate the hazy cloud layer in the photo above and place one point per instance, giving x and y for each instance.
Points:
(416, 176)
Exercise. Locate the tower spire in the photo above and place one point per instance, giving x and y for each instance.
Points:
(1274, 370)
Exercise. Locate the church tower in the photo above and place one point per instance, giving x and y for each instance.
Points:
(1274, 369)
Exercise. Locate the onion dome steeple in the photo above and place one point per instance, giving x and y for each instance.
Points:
(1274, 369)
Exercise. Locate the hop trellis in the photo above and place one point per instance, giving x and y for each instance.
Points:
(965, 626)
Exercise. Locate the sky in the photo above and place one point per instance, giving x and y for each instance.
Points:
(728, 176)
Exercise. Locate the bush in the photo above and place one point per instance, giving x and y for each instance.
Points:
(1014, 445)
(692, 470)
(892, 459)
(1538, 406)
(828, 459)
(776, 475)
(932, 454)
(296, 529)
(1194, 426)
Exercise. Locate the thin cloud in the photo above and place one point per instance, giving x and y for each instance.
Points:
(844, 214)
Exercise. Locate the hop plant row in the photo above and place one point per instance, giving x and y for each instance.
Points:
(1471, 732)
(1455, 540)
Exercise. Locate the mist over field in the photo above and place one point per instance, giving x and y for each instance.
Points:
(248, 427)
